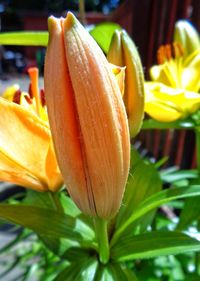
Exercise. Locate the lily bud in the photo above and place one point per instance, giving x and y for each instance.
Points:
(187, 36)
(87, 118)
(123, 52)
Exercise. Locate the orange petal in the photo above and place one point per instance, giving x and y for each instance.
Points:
(24, 141)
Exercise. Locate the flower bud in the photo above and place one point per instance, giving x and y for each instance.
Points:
(123, 52)
(87, 118)
(187, 36)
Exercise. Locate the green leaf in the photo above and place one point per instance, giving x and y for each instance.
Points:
(69, 205)
(130, 275)
(174, 176)
(103, 32)
(153, 244)
(190, 212)
(79, 271)
(47, 200)
(113, 272)
(117, 272)
(57, 246)
(155, 201)
(153, 124)
(75, 254)
(47, 222)
(24, 38)
(138, 188)
(39, 199)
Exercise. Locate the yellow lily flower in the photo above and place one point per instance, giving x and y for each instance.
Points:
(166, 104)
(87, 118)
(27, 157)
(176, 70)
(33, 100)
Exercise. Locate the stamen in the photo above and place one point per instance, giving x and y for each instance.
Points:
(169, 51)
(17, 96)
(42, 97)
(33, 73)
(28, 99)
(178, 50)
(30, 91)
(160, 55)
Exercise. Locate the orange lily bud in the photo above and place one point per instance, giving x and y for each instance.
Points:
(87, 118)
(123, 52)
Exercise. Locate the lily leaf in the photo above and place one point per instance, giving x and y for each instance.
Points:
(190, 212)
(153, 244)
(113, 272)
(174, 176)
(103, 32)
(38, 219)
(155, 201)
(139, 188)
(81, 271)
(153, 124)
(24, 38)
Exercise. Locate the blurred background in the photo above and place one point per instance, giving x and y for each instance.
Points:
(149, 22)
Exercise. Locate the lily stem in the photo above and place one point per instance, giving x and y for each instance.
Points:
(101, 228)
(56, 201)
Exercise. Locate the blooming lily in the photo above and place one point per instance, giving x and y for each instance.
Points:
(27, 157)
(175, 70)
(123, 52)
(166, 104)
(87, 118)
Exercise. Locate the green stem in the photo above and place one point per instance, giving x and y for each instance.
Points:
(56, 201)
(82, 11)
(101, 228)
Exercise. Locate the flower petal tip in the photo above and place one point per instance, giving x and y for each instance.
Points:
(70, 21)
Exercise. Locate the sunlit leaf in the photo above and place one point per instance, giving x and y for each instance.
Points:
(155, 201)
(79, 271)
(139, 188)
(190, 212)
(173, 176)
(103, 32)
(24, 38)
(153, 124)
(37, 219)
(153, 244)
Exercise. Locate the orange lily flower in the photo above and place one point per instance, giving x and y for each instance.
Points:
(87, 118)
(27, 157)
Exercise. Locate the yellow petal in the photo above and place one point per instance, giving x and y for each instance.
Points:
(119, 73)
(162, 112)
(11, 171)
(10, 91)
(177, 103)
(54, 177)
(24, 141)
